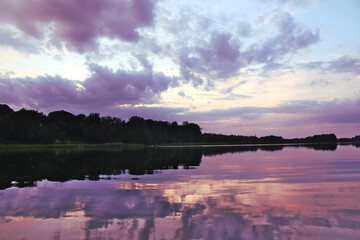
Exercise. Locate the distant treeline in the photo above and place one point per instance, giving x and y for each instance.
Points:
(323, 138)
(30, 126)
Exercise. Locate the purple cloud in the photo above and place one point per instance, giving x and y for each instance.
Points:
(343, 64)
(346, 111)
(233, 96)
(219, 58)
(336, 111)
(169, 114)
(290, 119)
(290, 39)
(293, 3)
(79, 23)
(243, 29)
(313, 65)
(181, 94)
(106, 87)
(103, 89)
(17, 41)
(319, 82)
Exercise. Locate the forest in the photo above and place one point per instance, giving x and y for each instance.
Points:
(30, 127)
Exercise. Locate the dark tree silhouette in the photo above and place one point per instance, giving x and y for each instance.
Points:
(29, 126)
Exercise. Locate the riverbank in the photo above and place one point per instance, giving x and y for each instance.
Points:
(71, 146)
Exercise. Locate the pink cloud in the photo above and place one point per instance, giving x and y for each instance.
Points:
(79, 23)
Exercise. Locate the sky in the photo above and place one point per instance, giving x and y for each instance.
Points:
(262, 67)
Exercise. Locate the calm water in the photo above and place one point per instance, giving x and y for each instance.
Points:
(182, 193)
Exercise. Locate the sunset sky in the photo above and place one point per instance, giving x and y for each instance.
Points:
(261, 67)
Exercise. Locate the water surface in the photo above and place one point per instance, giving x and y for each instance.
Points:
(249, 192)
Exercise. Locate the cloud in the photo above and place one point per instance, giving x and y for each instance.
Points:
(299, 112)
(217, 58)
(291, 38)
(243, 29)
(181, 94)
(79, 23)
(104, 89)
(18, 41)
(345, 111)
(169, 114)
(313, 65)
(233, 96)
(343, 64)
(231, 88)
(319, 82)
(292, 3)
(290, 119)
(221, 55)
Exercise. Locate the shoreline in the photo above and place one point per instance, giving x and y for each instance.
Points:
(78, 146)
(124, 146)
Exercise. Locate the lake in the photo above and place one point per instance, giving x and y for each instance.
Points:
(222, 192)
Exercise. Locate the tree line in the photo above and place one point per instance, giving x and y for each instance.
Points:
(30, 126)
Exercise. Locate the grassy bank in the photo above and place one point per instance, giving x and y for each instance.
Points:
(112, 146)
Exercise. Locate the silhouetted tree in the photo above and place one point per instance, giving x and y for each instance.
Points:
(26, 126)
